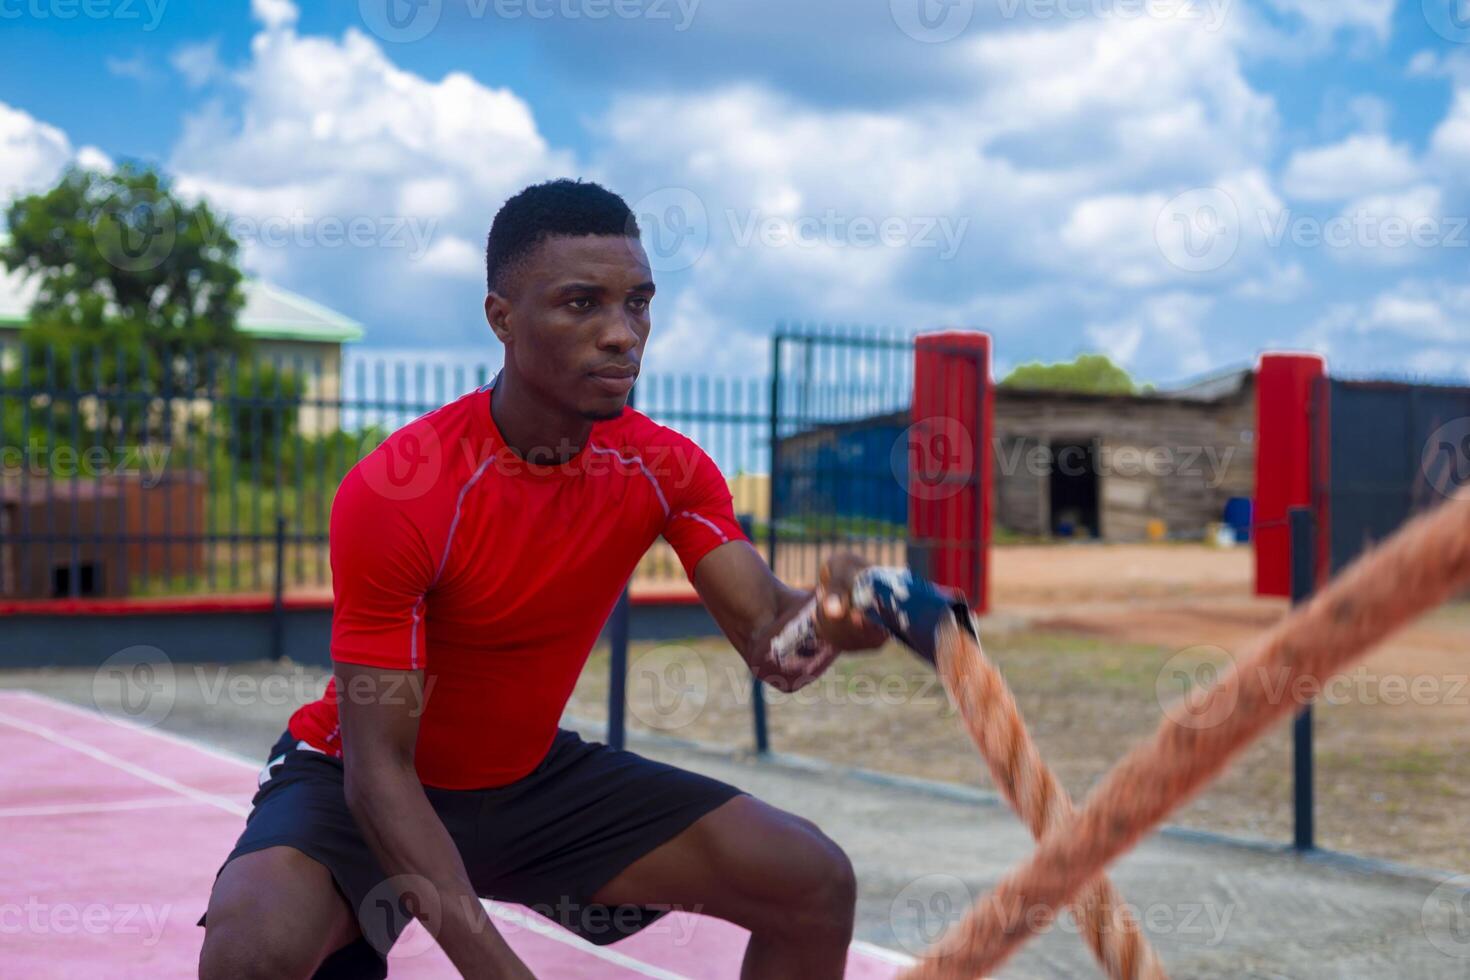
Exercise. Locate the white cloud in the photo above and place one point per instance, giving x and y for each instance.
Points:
(1044, 161)
(94, 159)
(274, 14)
(1361, 164)
(1391, 331)
(453, 256)
(693, 336)
(136, 68)
(199, 63)
(331, 132)
(1167, 327)
(1129, 239)
(33, 154)
(1123, 98)
(1374, 16)
(1278, 284)
(1450, 144)
(1394, 229)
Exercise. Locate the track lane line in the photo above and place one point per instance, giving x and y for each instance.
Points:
(65, 809)
(107, 758)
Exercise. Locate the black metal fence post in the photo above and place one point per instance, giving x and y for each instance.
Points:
(618, 628)
(1303, 583)
(757, 689)
(617, 681)
(773, 500)
(278, 606)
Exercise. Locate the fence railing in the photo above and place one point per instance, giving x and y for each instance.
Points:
(125, 474)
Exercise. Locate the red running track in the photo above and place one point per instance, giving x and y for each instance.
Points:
(113, 834)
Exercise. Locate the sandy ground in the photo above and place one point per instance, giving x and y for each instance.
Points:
(1095, 640)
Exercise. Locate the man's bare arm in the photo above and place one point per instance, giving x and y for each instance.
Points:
(750, 605)
(380, 711)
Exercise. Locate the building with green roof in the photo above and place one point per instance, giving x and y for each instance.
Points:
(286, 327)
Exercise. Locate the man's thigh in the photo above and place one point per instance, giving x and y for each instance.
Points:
(274, 911)
(746, 862)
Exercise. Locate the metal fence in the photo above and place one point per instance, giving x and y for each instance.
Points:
(123, 477)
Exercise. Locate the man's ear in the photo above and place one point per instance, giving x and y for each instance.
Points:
(497, 314)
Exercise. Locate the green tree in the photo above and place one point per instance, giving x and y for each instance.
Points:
(258, 411)
(123, 264)
(1091, 373)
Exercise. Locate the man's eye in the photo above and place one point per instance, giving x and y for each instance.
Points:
(639, 303)
(581, 303)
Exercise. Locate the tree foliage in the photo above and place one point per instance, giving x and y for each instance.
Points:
(138, 298)
(122, 263)
(1090, 373)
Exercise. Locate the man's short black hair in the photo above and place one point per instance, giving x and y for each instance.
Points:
(557, 207)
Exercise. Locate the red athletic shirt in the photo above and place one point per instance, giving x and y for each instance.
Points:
(494, 576)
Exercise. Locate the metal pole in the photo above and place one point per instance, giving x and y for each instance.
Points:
(758, 697)
(278, 610)
(617, 686)
(618, 628)
(1303, 583)
(757, 689)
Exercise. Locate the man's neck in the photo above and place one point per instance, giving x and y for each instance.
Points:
(534, 431)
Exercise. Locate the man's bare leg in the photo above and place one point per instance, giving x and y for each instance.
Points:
(273, 913)
(773, 873)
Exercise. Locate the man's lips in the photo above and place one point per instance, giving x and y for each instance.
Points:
(615, 380)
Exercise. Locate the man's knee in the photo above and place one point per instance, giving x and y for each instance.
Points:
(247, 951)
(823, 892)
(273, 913)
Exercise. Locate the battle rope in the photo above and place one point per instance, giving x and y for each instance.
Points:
(1420, 567)
(942, 631)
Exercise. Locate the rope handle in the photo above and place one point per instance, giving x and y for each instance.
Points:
(940, 628)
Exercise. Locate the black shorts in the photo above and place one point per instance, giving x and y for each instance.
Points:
(548, 841)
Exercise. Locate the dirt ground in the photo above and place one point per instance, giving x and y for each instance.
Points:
(1095, 640)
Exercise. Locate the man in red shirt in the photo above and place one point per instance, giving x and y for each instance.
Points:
(475, 556)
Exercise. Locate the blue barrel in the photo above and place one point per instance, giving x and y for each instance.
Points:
(1238, 512)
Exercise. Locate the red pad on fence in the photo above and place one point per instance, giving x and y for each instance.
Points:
(950, 462)
(1284, 446)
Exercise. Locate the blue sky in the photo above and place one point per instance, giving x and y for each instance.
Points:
(1178, 183)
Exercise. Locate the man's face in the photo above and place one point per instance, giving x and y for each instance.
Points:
(576, 319)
